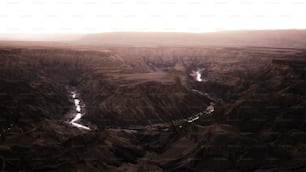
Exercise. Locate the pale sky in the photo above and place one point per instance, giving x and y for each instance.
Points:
(92, 16)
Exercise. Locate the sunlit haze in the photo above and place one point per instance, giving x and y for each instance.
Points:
(92, 16)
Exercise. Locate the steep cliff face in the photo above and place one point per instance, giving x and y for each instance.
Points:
(150, 102)
(28, 95)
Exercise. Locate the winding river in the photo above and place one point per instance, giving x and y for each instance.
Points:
(79, 112)
(79, 107)
(198, 74)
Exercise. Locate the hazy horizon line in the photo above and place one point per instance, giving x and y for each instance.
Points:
(76, 36)
(140, 31)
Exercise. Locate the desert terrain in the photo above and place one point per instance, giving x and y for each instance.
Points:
(98, 105)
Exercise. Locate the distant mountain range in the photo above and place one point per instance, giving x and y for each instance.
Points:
(261, 38)
(249, 38)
